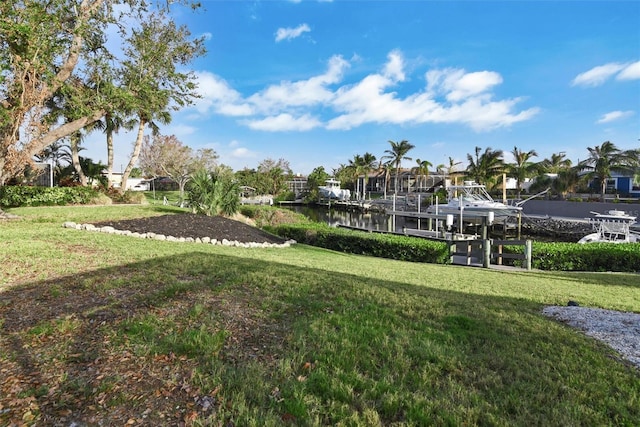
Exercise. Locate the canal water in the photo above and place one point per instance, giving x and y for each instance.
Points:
(375, 221)
(378, 221)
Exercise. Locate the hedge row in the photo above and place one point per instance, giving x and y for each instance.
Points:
(621, 257)
(15, 196)
(546, 256)
(391, 246)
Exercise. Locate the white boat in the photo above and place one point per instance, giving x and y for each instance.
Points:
(331, 190)
(612, 227)
(472, 198)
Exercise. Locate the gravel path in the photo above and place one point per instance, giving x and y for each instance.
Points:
(620, 330)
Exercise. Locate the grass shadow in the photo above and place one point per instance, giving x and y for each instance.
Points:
(302, 344)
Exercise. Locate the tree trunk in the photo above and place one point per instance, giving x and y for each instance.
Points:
(75, 158)
(109, 153)
(134, 155)
(10, 139)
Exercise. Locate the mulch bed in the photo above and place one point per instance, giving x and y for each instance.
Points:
(195, 226)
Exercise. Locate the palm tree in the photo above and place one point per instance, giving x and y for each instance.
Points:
(451, 169)
(556, 163)
(522, 168)
(606, 159)
(556, 173)
(485, 167)
(111, 125)
(421, 171)
(386, 167)
(58, 154)
(566, 181)
(396, 155)
(361, 165)
(368, 164)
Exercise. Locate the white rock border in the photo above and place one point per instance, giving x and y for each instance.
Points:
(154, 236)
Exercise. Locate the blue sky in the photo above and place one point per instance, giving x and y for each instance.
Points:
(318, 82)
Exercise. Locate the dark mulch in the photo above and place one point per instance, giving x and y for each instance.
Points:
(194, 226)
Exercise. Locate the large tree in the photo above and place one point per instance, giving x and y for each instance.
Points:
(56, 52)
(41, 44)
(485, 167)
(315, 180)
(274, 175)
(522, 167)
(362, 165)
(556, 173)
(151, 75)
(396, 155)
(166, 155)
(606, 159)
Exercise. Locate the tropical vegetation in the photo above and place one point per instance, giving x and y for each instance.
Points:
(605, 159)
(60, 72)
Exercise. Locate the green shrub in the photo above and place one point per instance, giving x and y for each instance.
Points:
(589, 257)
(545, 256)
(15, 196)
(214, 193)
(271, 216)
(129, 197)
(391, 246)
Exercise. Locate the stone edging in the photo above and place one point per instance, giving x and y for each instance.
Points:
(155, 236)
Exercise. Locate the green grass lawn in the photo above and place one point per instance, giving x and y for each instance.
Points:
(103, 327)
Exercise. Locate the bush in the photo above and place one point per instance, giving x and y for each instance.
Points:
(622, 257)
(545, 256)
(128, 197)
(271, 216)
(403, 248)
(213, 193)
(15, 196)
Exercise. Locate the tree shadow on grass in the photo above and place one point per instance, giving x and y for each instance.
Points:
(67, 355)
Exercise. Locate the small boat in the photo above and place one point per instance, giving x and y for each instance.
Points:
(331, 190)
(614, 226)
(472, 198)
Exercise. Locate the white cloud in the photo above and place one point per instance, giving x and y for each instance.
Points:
(630, 72)
(219, 96)
(284, 122)
(394, 69)
(450, 95)
(242, 153)
(467, 98)
(179, 130)
(598, 75)
(614, 115)
(458, 85)
(291, 33)
(301, 93)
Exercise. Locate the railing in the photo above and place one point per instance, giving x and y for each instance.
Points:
(482, 252)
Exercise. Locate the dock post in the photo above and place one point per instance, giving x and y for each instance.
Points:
(452, 250)
(527, 250)
(394, 215)
(486, 248)
(519, 225)
(485, 232)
